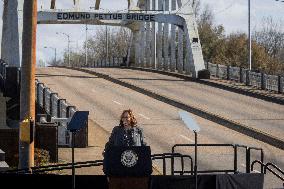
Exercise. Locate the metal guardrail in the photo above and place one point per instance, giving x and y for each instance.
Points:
(57, 167)
(259, 80)
(267, 166)
(171, 156)
(234, 147)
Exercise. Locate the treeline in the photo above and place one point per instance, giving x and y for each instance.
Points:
(107, 42)
(267, 45)
(218, 48)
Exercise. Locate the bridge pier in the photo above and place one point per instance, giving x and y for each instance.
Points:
(9, 47)
(10, 34)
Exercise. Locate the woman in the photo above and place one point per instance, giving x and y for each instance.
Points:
(127, 133)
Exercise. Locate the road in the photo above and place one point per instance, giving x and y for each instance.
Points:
(160, 121)
(259, 114)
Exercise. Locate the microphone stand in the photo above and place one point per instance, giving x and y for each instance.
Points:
(73, 165)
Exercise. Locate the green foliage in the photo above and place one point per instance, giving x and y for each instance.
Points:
(267, 55)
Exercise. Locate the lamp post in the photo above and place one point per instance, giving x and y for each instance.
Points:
(68, 37)
(54, 52)
(107, 43)
(249, 34)
(86, 46)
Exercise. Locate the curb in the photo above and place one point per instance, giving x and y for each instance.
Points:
(241, 128)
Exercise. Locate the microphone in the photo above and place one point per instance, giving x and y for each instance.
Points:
(129, 137)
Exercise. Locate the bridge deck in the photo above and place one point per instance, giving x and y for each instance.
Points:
(259, 114)
(160, 121)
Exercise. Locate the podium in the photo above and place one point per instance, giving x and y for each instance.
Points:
(128, 167)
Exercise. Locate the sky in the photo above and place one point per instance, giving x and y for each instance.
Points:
(232, 14)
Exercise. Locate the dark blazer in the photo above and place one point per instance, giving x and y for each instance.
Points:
(121, 137)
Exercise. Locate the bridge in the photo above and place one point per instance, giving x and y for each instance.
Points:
(158, 86)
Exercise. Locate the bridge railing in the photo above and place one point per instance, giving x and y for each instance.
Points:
(234, 152)
(255, 79)
(55, 107)
(111, 62)
(237, 74)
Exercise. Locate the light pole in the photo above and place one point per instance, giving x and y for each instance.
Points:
(54, 53)
(107, 43)
(86, 46)
(249, 34)
(68, 37)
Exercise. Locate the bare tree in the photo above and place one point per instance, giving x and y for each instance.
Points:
(271, 37)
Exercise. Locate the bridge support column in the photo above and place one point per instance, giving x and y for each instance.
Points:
(10, 34)
(173, 41)
(153, 43)
(194, 58)
(166, 39)
(133, 57)
(180, 51)
(160, 40)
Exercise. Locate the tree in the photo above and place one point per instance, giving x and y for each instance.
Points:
(271, 37)
(209, 34)
(118, 43)
(40, 63)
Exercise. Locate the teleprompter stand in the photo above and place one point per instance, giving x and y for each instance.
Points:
(77, 122)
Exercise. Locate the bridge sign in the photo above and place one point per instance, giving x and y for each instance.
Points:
(67, 17)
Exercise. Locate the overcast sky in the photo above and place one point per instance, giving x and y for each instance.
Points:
(232, 14)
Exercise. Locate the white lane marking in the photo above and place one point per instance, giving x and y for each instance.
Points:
(117, 102)
(144, 116)
(186, 138)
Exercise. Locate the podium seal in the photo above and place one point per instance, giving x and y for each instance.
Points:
(129, 158)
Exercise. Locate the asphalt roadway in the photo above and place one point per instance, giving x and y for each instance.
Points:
(160, 121)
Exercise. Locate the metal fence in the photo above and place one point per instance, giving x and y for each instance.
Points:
(250, 78)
